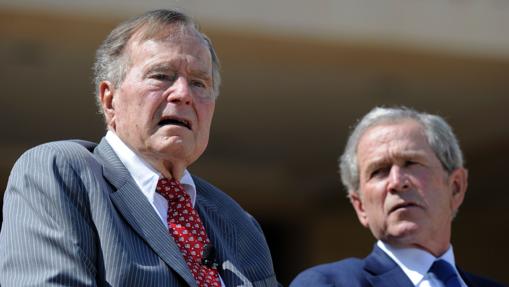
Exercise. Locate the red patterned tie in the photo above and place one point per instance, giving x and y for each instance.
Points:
(186, 227)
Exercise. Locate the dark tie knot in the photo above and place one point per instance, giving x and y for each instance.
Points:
(171, 189)
(445, 273)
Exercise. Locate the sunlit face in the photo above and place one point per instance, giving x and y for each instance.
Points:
(405, 196)
(163, 108)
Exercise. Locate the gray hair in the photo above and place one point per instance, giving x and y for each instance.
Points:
(438, 133)
(112, 61)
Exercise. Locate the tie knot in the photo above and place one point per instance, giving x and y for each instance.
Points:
(445, 273)
(170, 189)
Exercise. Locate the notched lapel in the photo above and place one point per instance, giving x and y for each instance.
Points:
(231, 238)
(220, 230)
(219, 233)
(382, 271)
(139, 214)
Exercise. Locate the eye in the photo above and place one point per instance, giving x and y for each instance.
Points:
(379, 172)
(197, 83)
(160, 77)
(410, 163)
(163, 77)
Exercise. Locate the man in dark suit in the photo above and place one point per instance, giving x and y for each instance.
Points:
(127, 212)
(404, 174)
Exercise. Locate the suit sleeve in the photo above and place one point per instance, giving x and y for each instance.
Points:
(344, 273)
(47, 237)
(310, 278)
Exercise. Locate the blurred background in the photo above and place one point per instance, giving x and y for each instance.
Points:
(296, 77)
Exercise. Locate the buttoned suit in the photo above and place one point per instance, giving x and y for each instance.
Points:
(74, 216)
(376, 270)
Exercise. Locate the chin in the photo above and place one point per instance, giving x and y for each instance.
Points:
(173, 150)
(403, 232)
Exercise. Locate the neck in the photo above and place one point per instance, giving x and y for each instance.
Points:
(169, 170)
(436, 250)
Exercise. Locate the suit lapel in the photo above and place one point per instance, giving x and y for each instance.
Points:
(382, 271)
(138, 212)
(221, 232)
(467, 278)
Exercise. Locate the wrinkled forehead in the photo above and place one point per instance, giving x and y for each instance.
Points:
(391, 127)
(397, 135)
(176, 33)
(167, 32)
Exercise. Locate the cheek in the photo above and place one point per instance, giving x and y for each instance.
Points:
(422, 177)
(372, 201)
(375, 205)
(428, 185)
(375, 192)
(205, 115)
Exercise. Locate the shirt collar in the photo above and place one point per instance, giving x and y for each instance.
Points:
(415, 262)
(142, 172)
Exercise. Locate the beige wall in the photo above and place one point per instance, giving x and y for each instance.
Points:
(466, 26)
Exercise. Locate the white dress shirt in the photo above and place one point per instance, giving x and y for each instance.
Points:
(146, 177)
(416, 263)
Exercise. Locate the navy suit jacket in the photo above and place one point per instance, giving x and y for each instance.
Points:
(376, 270)
(74, 216)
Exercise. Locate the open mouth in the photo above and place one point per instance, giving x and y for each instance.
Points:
(176, 122)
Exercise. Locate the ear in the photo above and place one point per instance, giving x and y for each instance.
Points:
(458, 182)
(106, 96)
(358, 205)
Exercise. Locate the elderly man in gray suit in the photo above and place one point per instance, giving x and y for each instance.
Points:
(127, 212)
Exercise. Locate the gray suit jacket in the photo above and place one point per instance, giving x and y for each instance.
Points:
(74, 216)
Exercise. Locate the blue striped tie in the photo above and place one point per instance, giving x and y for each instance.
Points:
(445, 273)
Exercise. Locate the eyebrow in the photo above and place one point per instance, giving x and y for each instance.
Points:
(406, 155)
(164, 66)
(376, 164)
(170, 66)
(201, 74)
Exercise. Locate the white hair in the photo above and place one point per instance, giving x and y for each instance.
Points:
(438, 133)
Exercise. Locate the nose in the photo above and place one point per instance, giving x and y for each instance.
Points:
(398, 180)
(180, 92)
